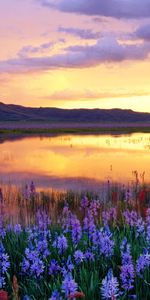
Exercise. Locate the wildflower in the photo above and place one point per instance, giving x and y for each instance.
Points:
(69, 286)
(84, 203)
(2, 229)
(104, 242)
(32, 264)
(110, 286)
(61, 244)
(89, 255)
(140, 227)
(78, 256)
(26, 297)
(42, 247)
(143, 262)
(55, 296)
(76, 231)
(130, 217)
(94, 207)
(43, 221)
(109, 215)
(54, 268)
(127, 269)
(4, 265)
(17, 229)
(89, 225)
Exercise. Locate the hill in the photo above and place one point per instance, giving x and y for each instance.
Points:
(11, 112)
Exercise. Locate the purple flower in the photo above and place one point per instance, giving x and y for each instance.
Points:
(127, 269)
(110, 287)
(84, 203)
(89, 255)
(17, 229)
(32, 263)
(140, 227)
(131, 217)
(143, 262)
(89, 225)
(43, 221)
(2, 229)
(76, 230)
(54, 268)
(55, 296)
(69, 285)
(94, 207)
(61, 244)
(78, 256)
(68, 267)
(109, 215)
(42, 248)
(4, 265)
(104, 243)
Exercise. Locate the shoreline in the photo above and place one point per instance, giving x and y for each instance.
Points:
(45, 128)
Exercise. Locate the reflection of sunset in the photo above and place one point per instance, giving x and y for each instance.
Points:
(93, 157)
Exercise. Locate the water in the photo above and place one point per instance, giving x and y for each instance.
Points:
(75, 161)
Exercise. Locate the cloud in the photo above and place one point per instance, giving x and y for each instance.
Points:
(143, 32)
(108, 8)
(105, 50)
(31, 50)
(81, 33)
(27, 50)
(90, 94)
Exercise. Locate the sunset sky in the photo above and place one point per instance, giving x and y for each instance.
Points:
(75, 53)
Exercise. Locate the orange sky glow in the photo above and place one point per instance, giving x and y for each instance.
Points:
(72, 54)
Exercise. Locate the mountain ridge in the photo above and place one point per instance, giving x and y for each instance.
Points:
(12, 112)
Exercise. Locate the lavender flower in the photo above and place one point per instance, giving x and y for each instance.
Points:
(89, 256)
(140, 227)
(110, 287)
(43, 220)
(127, 269)
(78, 256)
(131, 217)
(17, 229)
(84, 203)
(109, 215)
(4, 265)
(104, 243)
(94, 207)
(32, 264)
(55, 296)
(143, 263)
(69, 286)
(76, 231)
(54, 268)
(61, 244)
(2, 229)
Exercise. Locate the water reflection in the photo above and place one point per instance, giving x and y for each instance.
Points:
(75, 161)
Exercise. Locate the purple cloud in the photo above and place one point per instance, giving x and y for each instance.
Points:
(106, 50)
(81, 33)
(27, 50)
(114, 8)
(143, 32)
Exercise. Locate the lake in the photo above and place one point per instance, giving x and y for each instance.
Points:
(76, 162)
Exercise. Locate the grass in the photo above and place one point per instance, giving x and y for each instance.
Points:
(88, 274)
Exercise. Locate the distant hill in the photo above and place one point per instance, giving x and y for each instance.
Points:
(10, 112)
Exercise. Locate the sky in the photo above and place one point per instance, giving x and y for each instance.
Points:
(75, 53)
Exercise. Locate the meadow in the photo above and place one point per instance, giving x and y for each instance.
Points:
(67, 246)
